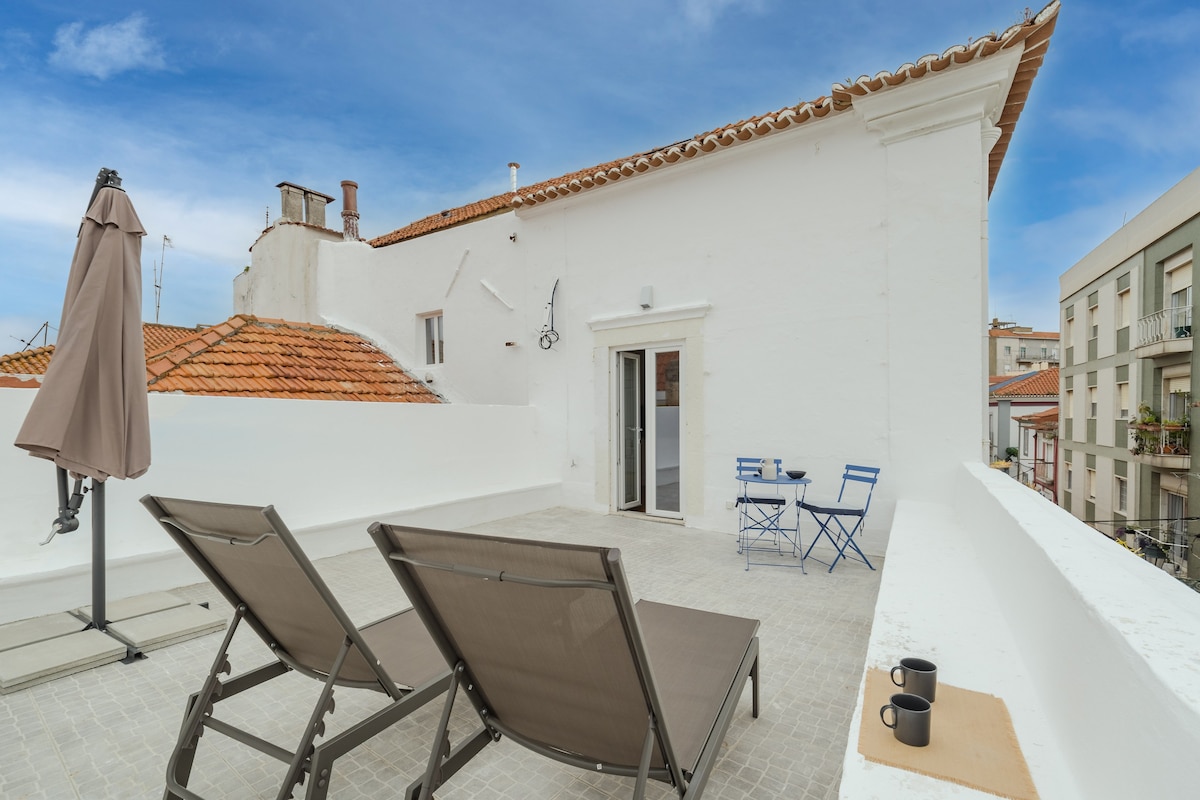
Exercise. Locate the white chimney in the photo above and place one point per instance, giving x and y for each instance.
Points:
(512, 174)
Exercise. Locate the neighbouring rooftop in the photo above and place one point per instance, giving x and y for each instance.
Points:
(250, 357)
(1043, 383)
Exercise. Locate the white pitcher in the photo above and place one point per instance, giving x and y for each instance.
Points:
(767, 467)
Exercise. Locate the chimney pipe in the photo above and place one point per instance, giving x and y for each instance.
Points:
(349, 211)
(512, 174)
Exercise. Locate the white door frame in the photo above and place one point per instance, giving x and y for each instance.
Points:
(648, 466)
(679, 326)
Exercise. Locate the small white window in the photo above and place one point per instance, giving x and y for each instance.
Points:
(1068, 409)
(1091, 484)
(1070, 475)
(1093, 325)
(1122, 493)
(1123, 400)
(434, 346)
(1092, 402)
(1123, 309)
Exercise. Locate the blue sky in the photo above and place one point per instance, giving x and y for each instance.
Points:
(204, 107)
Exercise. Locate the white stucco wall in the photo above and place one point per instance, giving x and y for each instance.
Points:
(284, 269)
(811, 267)
(330, 468)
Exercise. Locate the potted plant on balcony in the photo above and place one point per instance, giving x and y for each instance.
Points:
(1144, 440)
(1146, 419)
(1175, 424)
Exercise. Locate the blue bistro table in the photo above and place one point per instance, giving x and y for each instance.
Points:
(760, 518)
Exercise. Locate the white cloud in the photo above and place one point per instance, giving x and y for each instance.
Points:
(702, 13)
(106, 50)
(1178, 29)
(16, 47)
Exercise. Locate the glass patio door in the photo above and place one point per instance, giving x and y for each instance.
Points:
(648, 431)
(630, 430)
(664, 429)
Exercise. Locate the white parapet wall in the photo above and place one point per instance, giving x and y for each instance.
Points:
(1092, 649)
(330, 468)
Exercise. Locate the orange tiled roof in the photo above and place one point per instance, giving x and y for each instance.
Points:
(250, 357)
(35, 361)
(1040, 384)
(159, 336)
(1034, 33)
(994, 332)
(1041, 421)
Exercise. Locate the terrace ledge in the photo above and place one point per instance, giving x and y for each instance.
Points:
(1092, 649)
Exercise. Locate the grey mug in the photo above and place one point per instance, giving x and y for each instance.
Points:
(910, 719)
(917, 676)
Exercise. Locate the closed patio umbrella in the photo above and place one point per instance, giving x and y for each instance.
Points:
(90, 414)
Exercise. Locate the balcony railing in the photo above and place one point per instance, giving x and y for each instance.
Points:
(1159, 439)
(1050, 358)
(1043, 472)
(1164, 326)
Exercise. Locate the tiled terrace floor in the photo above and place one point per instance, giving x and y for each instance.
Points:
(107, 733)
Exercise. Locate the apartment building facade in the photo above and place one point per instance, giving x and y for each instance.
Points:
(1126, 377)
(1015, 349)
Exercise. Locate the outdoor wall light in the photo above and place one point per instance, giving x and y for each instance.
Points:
(647, 298)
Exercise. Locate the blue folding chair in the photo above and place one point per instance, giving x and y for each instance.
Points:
(758, 514)
(828, 515)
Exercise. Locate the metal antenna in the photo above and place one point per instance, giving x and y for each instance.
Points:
(159, 267)
(43, 331)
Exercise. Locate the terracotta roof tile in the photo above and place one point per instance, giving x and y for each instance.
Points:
(35, 361)
(159, 336)
(1043, 383)
(1041, 421)
(1033, 33)
(249, 357)
(1009, 332)
(273, 358)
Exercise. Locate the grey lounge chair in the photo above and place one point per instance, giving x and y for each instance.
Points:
(547, 645)
(254, 561)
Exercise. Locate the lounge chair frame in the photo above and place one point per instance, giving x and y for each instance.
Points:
(688, 780)
(310, 761)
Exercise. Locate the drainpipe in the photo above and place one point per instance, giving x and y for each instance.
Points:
(349, 211)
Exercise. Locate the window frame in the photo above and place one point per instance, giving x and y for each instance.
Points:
(434, 347)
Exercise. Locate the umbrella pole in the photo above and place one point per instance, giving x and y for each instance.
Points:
(62, 490)
(98, 610)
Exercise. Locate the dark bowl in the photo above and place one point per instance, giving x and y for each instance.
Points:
(796, 474)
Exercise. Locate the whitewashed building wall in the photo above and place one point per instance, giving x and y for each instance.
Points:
(802, 272)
